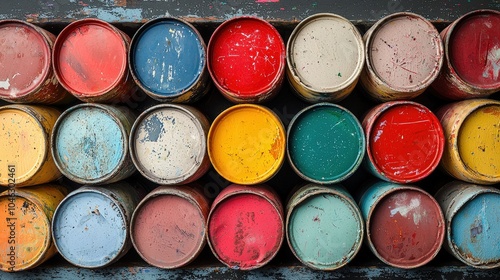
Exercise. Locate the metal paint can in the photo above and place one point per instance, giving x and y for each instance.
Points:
(246, 226)
(168, 227)
(246, 144)
(325, 143)
(472, 228)
(91, 225)
(26, 239)
(246, 59)
(26, 74)
(90, 61)
(168, 144)
(405, 141)
(325, 55)
(168, 61)
(472, 54)
(324, 226)
(404, 225)
(404, 54)
(90, 143)
(472, 149)
(25, 144)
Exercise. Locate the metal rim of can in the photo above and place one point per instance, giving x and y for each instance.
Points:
(58, 44)
(308, 92)
(185, 178)
(322, 190)
(254, 190)
(125, 144)
(278, 163)
(384, 91)
(257, 96)
(176, 97)
(181, 193)
(362, 144)
(370, 120)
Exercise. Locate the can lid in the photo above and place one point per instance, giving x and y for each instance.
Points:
(25, 57)
(246, 57)
(89, 228)
(90, 57)
(405, 141)
(246, 144)
(167, 57)
(326, 143)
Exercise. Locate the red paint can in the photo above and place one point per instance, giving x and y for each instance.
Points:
(90, 61)
(246, 59)
(246, 226)
(472, 57)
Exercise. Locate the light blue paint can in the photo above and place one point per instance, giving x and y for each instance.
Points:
(472, 214)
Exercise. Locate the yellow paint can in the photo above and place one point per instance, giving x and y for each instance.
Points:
(246, 144)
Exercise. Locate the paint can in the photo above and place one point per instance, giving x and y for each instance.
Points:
(325, 143)
(91, 225)
(25, 145)
(246, 144)
(90, 61)
(26, 74)
(25, 238)
(246, 59)
(168, 61)
(472, 228)
(472, 53)
(90, 143)
(168, 144)
(246, 226)
(404, 54)
(404, 141)
(168, 228)
(325, 55)
(472, 148)
(324, 226)
(404, 224)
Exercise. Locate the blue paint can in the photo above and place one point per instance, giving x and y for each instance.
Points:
(167, 59)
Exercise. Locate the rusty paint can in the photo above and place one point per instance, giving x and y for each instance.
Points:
(472, 148)
(404, 141)
(26, 238)
(246, 144)
(325, 55)
(26, 74)
(472, 53)
(25, 144)
(246, 59)
(324, 226)
(168, 61)
(91, 225)
(168, 144)
(472, 228)
(404, 225)
(90, 143)
(246, 226)
(168, 227)
(90, 61)
(325, 143)
(404, 54)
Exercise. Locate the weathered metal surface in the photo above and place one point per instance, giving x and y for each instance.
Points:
(90, 143)
(25, 144)
(405, 141)
(324, 226)
(325, 55)
(404, 54)
(325, 143)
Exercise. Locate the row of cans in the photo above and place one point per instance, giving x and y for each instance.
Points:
(399, 57)
(404, 226)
